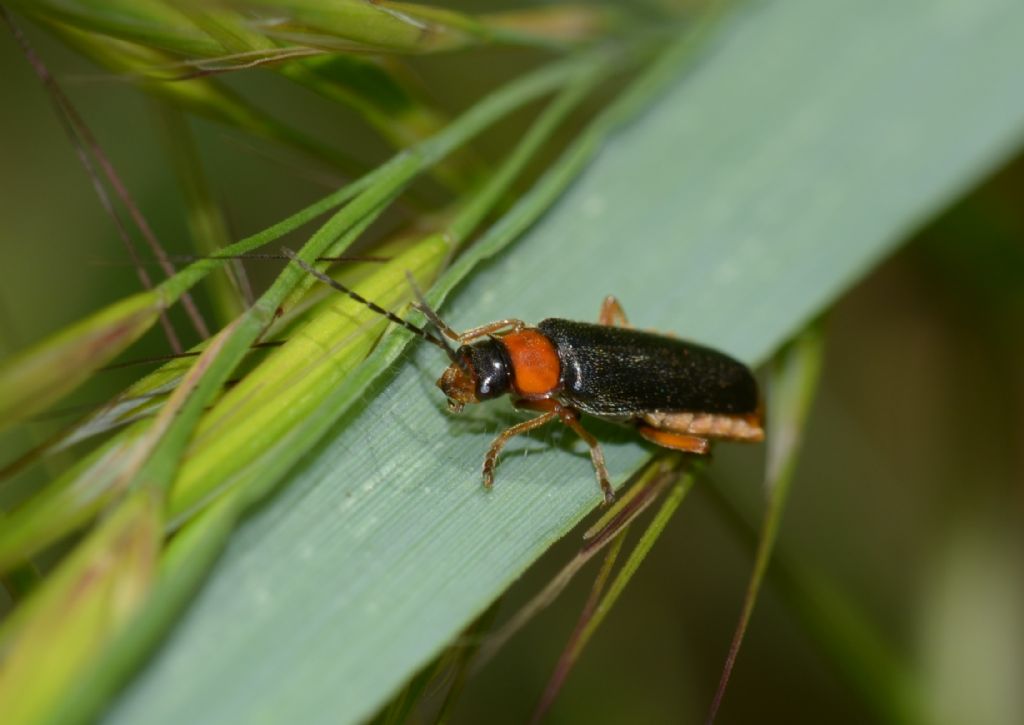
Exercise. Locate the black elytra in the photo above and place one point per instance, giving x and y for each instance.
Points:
(619, 371)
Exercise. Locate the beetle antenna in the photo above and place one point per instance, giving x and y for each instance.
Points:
(423, 306)
(331, 282)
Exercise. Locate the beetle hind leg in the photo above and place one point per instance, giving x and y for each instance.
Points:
(676, 441)
(612, 314)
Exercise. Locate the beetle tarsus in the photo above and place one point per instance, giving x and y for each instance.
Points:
(612, 313)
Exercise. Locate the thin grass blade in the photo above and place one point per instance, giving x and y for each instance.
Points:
(23, 377)
(228, 287)
(569, 655)
(272, 406)
(146, 456)
(148, 23)
(54, 640)
(254, 415)
(76, 496)
(100, 169)
(558, 24)
(351, 25)
(593, 616)
(649, 485)
(851, 641)
(793, 384)
(36, 378)
(160, 74)
(383, 95)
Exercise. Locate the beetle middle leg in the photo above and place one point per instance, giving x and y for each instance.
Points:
(571, 418)
(552, 410)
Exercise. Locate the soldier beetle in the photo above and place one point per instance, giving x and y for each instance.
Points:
(677, 394)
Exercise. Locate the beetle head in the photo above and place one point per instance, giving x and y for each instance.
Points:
(480, 371)
(458, 383)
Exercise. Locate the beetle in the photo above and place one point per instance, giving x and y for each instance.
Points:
(677, 394)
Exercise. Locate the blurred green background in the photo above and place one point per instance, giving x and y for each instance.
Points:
(909, 498)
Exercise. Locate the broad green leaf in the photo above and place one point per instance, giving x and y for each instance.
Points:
(809, 141)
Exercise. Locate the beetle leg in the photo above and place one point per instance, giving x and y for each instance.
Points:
(744, 427)
(612, 313)
(525, 427)
(675, 441)
(571, 418)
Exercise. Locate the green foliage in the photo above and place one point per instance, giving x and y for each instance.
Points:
(38, 377)
(755, 191)
(729, 193)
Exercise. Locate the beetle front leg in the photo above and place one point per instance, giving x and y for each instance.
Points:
(525, 427)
